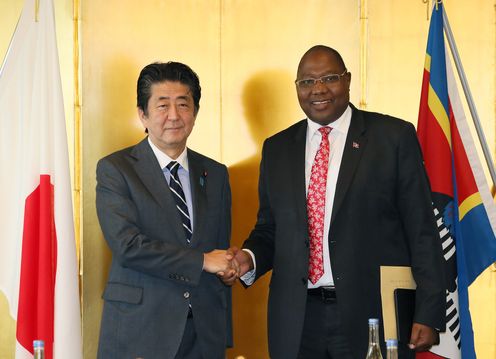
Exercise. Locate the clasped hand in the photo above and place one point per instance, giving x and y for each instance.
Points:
(228, 264)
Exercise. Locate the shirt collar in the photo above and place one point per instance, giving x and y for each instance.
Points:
(164, 160)
(340, 125)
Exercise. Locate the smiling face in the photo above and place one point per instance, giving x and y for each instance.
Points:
(170, 116)
(323, 103)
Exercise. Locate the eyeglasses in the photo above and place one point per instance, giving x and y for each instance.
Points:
(325, 80)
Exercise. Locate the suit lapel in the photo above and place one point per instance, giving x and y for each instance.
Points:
(353, 149)
(297, 168)
(198, 183)
(152, 177)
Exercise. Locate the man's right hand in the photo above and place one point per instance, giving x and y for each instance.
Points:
(241, 260)
(218, 260)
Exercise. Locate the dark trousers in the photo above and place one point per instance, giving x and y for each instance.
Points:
(323, 336)
(190, 346)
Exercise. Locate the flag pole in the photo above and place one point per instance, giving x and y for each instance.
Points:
(468, 96)
(364, 20)
(36, 9)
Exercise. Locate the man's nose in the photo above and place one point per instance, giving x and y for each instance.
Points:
(172, 114)
(319, 87)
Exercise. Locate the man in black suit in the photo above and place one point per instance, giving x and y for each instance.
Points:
(164, 210)
(341, 193)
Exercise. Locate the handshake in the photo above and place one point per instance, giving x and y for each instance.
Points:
(228, 264)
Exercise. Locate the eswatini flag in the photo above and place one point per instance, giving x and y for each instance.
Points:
(464, 208)
(38, 267)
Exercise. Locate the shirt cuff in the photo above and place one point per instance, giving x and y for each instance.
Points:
(249, 277)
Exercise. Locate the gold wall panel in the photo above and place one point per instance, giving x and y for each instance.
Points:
(246, 53)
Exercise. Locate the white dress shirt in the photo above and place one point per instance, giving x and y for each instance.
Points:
(337, 139)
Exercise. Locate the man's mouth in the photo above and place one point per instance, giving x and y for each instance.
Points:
(322, 102)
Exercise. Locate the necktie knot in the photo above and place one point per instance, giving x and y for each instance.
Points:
(325, 130)
(173, 167)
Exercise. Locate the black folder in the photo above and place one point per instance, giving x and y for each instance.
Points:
(404, 302)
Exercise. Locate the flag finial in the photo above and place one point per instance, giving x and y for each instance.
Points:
(428, 8)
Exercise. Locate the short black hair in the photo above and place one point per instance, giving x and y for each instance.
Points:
(158, 72)
(327, 49)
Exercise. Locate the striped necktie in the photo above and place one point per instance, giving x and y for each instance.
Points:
(178, 194)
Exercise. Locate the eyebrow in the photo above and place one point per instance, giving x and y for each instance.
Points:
(184, 97)
(327, 73)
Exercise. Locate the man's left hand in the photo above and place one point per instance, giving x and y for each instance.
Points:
(423, 337)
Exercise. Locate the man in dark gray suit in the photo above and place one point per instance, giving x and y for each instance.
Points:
(165, 213)
(341, 193)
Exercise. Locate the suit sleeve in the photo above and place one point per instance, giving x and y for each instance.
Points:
(262, 237)
(225, 222)
(416, 210)
(119, 220)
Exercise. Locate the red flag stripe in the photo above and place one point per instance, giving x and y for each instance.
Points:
(35, 317)
(433, 141)
(428, 355)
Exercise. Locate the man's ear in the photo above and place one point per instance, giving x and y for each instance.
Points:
(142, 116)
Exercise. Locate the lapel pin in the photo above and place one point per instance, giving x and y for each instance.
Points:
(203, 178)
(356, 144)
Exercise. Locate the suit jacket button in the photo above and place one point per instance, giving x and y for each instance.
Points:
(186, 295)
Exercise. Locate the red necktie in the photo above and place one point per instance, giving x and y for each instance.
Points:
(316, 206)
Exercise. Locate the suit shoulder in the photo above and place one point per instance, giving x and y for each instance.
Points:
(115, 165)
(289, 132)
(207, 161)
(386, 127)
(118, 156)
(385, 121)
